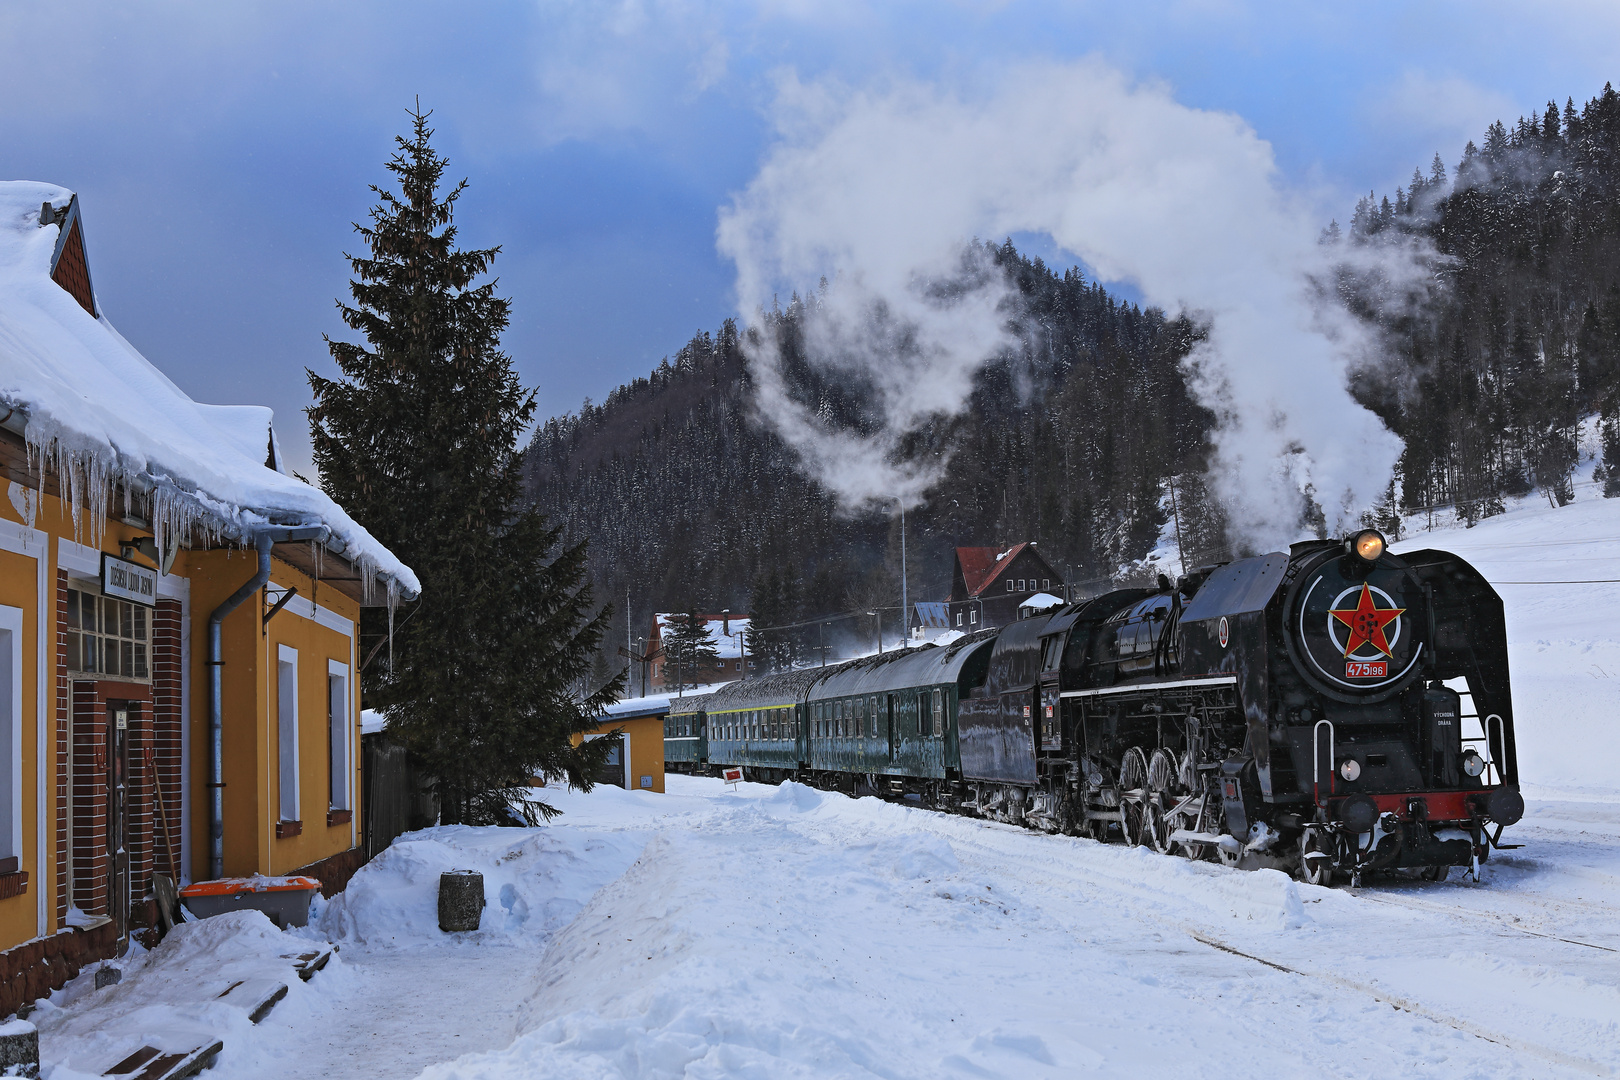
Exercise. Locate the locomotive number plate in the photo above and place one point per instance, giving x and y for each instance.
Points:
(1366, 669)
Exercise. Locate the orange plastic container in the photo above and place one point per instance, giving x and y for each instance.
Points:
(284, 899)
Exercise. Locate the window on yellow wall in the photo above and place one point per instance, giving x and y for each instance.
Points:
(106, 636)
(339, 738)
(11, 669)
(287, 730)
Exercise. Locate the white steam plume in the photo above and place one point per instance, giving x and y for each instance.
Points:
(878, 191)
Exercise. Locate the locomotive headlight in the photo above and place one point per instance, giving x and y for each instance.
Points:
(1350, 769)
(1472, 763)
(1367, 545)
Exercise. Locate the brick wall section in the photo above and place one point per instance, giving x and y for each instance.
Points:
(35, 968)
(166, 728)
(63, 742)
(334, 871)
(89, 823)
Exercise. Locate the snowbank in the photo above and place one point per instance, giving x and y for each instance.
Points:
(535, 880)
(101, 413)
(169, 998)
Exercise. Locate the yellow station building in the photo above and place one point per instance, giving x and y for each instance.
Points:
(165, 589)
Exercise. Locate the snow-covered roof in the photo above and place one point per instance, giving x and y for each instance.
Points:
(728, 645)
(100, 413)
(1040, 602)
(639, 706)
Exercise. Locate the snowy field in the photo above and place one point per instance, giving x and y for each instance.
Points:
(784, 932)
(781, 932)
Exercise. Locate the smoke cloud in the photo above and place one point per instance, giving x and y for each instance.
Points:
(878, 190)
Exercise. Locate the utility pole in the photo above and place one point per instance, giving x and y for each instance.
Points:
(879, 616)
(905, 606)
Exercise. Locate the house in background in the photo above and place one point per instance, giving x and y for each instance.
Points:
(988, 584)
(179, 656)
(726, 633)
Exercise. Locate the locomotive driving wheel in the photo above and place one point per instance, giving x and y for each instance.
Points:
(1193, 850)
(1133, 774)
(1161, 782)
(1316, 858)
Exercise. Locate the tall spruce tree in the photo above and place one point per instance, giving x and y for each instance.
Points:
(418, 440)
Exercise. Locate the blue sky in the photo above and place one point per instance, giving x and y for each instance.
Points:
(222, 151)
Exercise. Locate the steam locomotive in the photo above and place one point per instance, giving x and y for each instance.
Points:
(1336, 711)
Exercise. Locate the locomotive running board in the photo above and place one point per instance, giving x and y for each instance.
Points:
(1136, 688)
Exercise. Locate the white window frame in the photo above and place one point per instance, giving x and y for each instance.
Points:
(287, 733)
(340, 736)
(11, 733)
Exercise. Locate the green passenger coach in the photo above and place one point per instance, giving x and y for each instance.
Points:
(684, 734)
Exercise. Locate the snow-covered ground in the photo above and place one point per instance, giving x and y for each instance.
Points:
(783, 932)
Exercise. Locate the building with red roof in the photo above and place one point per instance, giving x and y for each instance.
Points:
(988, 584)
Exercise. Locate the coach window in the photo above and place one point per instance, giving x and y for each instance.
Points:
(939, 712)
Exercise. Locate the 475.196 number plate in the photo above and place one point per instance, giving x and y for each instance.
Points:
(1366, 669)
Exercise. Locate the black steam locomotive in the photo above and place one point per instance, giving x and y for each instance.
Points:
(1336, 710)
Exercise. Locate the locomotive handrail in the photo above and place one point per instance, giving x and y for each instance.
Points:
(1501, 740)
(1219, 680)
(1316, 759)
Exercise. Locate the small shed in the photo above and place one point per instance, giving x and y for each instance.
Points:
(638, 763)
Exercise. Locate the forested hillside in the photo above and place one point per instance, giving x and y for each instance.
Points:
(1523, 335)
(1075, 439)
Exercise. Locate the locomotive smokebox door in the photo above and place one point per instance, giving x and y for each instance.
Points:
(1442, 727)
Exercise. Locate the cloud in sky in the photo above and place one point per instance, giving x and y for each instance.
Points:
(223, 149)
(876, 190)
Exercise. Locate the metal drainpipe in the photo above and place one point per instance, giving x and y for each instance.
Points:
(263, 542)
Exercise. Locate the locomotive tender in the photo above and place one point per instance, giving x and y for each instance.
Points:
(1335, 710)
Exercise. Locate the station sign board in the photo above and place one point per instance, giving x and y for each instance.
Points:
(128, 581)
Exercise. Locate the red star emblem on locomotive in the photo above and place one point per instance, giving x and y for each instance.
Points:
(1366, 622)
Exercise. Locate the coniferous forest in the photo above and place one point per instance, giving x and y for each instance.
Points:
(1078, 438)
